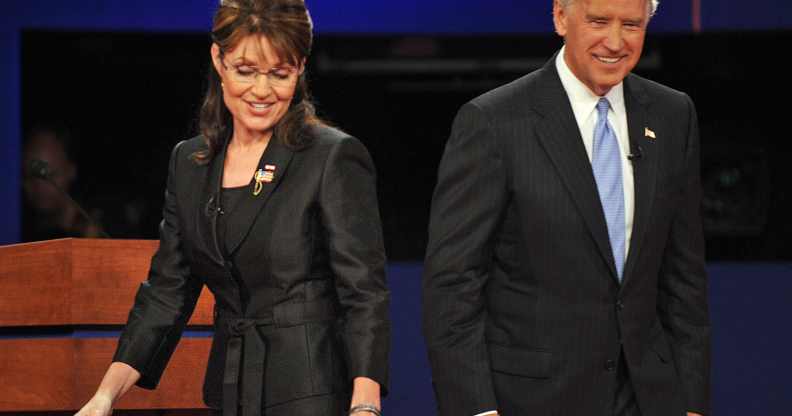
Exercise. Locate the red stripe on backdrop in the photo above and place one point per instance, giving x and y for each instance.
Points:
(696, 15)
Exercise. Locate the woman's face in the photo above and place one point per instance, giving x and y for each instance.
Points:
(257, 86)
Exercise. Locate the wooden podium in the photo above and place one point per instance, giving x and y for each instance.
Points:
(62, 303)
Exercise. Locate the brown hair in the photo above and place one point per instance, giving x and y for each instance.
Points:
(288, 27)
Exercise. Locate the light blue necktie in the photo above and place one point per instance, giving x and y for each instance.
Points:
(607, 165)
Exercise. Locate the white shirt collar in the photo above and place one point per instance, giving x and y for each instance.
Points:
(583, 100)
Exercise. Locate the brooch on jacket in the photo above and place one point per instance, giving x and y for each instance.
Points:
(262, 176)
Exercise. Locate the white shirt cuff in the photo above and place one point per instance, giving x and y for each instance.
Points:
(491, 412)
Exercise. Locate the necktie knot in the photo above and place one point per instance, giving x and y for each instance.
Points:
(602, 107)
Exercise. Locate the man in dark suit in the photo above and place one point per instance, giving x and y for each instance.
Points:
(565, 268)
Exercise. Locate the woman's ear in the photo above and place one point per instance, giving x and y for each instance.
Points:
(216, 59)
(302, 66)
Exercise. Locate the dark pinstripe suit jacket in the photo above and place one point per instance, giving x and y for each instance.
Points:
(522, 308)
(307, 268)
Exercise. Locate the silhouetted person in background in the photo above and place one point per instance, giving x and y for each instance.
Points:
(48, 212)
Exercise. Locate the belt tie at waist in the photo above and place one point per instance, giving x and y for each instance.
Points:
(246, 350)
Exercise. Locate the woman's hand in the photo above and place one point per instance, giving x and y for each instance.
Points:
(118, 380)
(99, 405)
(365, 391)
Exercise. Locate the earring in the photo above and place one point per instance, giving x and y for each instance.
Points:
(222, 85)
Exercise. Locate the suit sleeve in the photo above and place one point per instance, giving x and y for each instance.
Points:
(467, 208)
(350, 214)
(682, 305)
(164, 302)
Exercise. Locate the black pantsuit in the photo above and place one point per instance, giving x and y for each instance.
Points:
(299, 285)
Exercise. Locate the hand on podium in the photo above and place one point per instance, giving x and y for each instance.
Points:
(120, 377)
(99, 405)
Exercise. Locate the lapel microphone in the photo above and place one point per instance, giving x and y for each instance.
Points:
(213, 207)
(210, 208)
(636, 156)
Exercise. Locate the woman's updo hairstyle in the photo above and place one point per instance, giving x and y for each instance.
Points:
(288, 27)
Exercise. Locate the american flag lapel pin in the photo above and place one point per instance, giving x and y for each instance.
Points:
(649, 133)
(269, 173)
(263, 176)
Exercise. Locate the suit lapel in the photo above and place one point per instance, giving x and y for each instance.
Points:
(644, 168)
(560, 137)
(275, 159)
(208, 206)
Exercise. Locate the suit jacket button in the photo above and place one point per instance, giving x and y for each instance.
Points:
(619, 305)
(610, 365)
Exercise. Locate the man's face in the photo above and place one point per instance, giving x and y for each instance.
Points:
(604, 39)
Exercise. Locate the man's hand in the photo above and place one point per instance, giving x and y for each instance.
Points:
(692, 414)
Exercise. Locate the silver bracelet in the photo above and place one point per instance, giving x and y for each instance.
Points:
(365, 408)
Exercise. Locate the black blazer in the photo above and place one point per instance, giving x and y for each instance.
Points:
(523, 311)
(303, 294)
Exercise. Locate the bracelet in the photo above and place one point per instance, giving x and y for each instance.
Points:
(365, 408)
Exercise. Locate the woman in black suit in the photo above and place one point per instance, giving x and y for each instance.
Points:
(277, 214)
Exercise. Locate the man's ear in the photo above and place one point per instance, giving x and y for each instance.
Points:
(560, 17)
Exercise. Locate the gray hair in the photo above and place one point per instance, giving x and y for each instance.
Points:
(652, 5)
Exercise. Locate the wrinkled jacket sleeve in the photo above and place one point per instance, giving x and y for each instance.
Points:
(165, 301)
(350, 214)
(467, 208)
(682, 305)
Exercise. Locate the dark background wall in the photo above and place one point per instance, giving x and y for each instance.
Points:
(127, 79)
(357, 17)
(129, 97)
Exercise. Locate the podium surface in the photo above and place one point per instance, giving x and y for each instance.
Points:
(63, 304)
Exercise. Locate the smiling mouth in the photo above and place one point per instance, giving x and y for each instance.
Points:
(608, 60)
(260, 109)
(260, 106)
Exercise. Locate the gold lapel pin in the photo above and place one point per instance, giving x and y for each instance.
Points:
(263, 176)
(649, 133)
